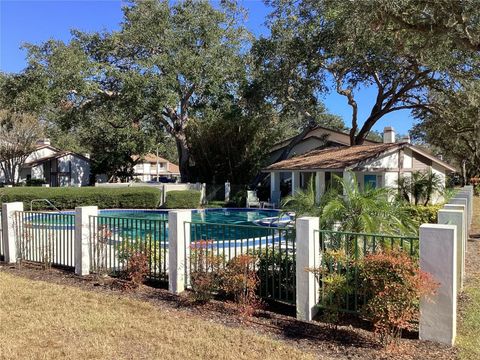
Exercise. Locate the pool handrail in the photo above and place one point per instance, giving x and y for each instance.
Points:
(44, 200)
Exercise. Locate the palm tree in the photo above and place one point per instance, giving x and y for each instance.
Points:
(420, 186)
(365, 210)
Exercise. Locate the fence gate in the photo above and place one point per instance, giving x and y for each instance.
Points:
(45, 238)
(339, 256)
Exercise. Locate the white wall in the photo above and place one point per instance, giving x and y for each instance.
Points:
(389, 161)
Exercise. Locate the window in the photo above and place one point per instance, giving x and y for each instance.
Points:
(372, 181)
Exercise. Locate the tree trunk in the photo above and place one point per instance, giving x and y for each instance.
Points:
(183, 156)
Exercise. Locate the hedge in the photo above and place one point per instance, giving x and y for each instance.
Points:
(424, 214)
(182, 199)
(65, 198)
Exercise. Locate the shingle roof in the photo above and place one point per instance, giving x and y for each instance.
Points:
(332, 158)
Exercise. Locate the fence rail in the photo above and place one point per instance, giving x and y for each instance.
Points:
(273, 248)
(340, 253)
(115, 241)
(45, 238)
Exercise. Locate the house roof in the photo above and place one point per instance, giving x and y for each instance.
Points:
(345, 157)
(311, 134)
(57, 155)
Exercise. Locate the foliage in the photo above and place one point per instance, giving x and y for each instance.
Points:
(394, 285)
(35, 182)
(137, 249)
(421, 214)
(335, 283)
(452, 127)
(182, 199)
(421, 186)
(273, 265)
(316, 46)
(241, 281)
(206, 270)
(366, 210)
(18, 135)
(69, 197)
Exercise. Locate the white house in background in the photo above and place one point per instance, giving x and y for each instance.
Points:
(153, 168)
(54, 166)
(318, 138)
(376, 164)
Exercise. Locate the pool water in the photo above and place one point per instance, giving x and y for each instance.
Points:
(219, 216)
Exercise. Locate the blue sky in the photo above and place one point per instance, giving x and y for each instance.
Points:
(35, 21)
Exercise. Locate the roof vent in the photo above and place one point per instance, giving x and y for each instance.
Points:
(388, 135)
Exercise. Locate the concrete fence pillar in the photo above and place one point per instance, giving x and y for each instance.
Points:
(464, 203)
(438, 316)
(82, 238)
(469, 202)
(463, 234)
(9, 231)
(178, 249)
(203, 193)
(456, 217)
(307, 257)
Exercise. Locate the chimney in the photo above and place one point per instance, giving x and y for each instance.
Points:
(388, 135)
(405, 139)
(43, 142)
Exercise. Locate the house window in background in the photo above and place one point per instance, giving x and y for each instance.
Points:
(370, 181)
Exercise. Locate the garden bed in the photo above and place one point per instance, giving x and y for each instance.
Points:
(348, 342)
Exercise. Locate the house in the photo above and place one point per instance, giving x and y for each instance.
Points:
(375, 164)
(153, 168)
(54, 166)
(317, 138)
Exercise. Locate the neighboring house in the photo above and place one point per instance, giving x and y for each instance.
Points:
(318, 138)
(153, 168)
(54, 166)
(376, 164)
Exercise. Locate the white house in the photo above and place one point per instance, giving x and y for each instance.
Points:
(378, 164)
(54, 166)
(152, 168)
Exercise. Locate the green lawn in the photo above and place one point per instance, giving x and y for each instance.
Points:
(468, 339)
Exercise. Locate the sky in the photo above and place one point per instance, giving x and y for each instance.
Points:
(35, 21)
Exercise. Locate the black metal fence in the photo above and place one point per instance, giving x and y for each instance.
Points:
(45, 238)
(340, 256)
(115, 241)
(273, 249)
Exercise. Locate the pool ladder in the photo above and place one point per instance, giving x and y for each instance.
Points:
(43, 200)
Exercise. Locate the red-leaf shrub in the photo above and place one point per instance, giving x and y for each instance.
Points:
(240, 280)
(206, 270)
(394, 284)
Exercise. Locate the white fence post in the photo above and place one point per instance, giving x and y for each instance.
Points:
(307, 257)
(82, 238)
(456, 217)
(9, 231)
(438, 316)
(469, 202)
(203, 193)
(464, 231)
(178, 249)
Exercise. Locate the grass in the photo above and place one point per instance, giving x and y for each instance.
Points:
(468, 339)
(42, 320)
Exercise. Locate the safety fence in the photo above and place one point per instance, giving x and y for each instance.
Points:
(118, 243)
(214, 245)
(45, 238)
(340, 261)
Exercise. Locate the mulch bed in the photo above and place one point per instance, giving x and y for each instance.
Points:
(352, 340)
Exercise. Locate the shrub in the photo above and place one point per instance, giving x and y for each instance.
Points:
(129, 247)
(393, 284)
(423, 214)
(182, 199)
(35, 182)
(241, 281)
(206, 270)
(335, 283)
(69, 197)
